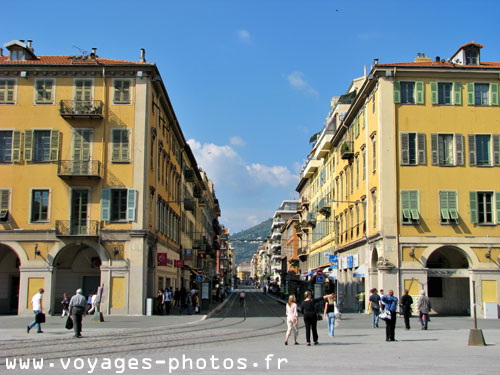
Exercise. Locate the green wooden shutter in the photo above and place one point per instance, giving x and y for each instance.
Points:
(496, 149)
(422, 152)
(434, 93)
(397, 92)
(472, 149)
(419, 90)
(115, 153)
(105, 204)
(54, 145)
(9, 85)
(405, 159)
(443, 205)
(356, 127)
(434, 149)
(457, 93)
(364, 118)
(28, 145)
(470, 93)
(16, 145)
(459, 149)
(494, 93)
(405, 204)
(497, 205)
(126, 91)
(414, 204)
(473, 207)
(452, 205)
(131, 203)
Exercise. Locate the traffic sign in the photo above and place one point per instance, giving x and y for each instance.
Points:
(199, 278)
(319, 273)
(320, 279)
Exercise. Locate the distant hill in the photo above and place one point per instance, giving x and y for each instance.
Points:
(247, 241)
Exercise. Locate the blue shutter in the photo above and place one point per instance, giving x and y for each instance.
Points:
(131, 203)
(105, 204)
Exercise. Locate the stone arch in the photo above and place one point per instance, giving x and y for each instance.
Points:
(10, 275)
(60, 246)
(18, 249)
(466, 252)
(374, 259)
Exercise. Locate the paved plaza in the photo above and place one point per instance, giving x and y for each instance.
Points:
(249, 339)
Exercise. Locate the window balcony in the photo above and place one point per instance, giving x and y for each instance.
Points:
(347, 150)
(77, 228)
(81, 109)
(77, 168)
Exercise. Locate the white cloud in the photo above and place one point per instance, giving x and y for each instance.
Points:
(237, 141)
(244, 36)
(274, 176)
(297, 81)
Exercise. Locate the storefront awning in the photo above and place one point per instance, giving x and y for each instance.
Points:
(332, 275)
(360, 272)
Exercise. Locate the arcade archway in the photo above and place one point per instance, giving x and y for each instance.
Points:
(76, 266)
(448, 283)
(9, 281)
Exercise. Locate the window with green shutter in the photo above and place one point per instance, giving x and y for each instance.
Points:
(122, 88)
(44, 91)
(457, 93)
(470, 93)
(7, 88)
(420, 92)
(397, 92)
(413, 149)
(494, 93)
(410, 207)
(448, 207)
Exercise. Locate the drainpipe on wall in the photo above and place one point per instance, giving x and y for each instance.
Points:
(397, 191)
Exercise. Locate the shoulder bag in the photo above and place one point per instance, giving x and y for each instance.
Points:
(40, 317)
(385, 315)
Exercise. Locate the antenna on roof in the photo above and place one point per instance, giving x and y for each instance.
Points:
(84, 53)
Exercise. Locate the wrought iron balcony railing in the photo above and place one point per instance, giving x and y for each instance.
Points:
(81, 108)
(77, 228)
(78, 168)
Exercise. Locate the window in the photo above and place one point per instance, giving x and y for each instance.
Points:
(118, 204)
(39, 206)
(41, 145)
(120, 145)
(481, 207)
(83, 90)
(374, 147)
(482, 151)
(121, 91)
(413, 150)
(357, 171)
(447, 149)
(363, 154)
(482, 93)
(374, 204)
(7, 91)
(444, 93)
(407, 91)
(409, 207)
(471, 57)
(44, 91)
(373, 104)
(10, 146)
(448, 207)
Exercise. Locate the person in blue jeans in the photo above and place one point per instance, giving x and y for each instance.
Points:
(37, 303)
(329, 314)
(375, 307)
(391, 304)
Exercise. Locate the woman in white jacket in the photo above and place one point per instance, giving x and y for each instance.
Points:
(292, 320)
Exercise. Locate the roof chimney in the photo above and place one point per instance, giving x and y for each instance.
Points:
(375, 61)
(94, 53)
(143, 55)
(29, 43)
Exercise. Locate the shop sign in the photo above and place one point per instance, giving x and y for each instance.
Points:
(188, 254)
(162, 259)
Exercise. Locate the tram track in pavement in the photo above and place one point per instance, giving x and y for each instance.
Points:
(109, 345)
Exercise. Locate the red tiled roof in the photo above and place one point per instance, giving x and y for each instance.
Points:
(446, 64)
(66, 60)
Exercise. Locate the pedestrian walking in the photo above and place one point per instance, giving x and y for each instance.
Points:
(89, 302)
(94, 302)
(406, 302)
(292, 320)
(329, 314)
(375, 307)
(37, 305)
(391, 305)
(381, 294)
(424, 308)
(242, 298)
(77, 307)
(360, 297)
(310, 314)
(159, 302)
(65, 305)
(167, 300)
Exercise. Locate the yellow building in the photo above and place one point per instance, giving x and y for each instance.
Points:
(92, 180)
(414, 192)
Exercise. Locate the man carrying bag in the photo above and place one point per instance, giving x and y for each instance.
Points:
(77, 306)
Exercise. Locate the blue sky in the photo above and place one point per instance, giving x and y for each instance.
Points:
(251, 81)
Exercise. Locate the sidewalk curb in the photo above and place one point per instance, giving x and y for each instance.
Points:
(216, 310)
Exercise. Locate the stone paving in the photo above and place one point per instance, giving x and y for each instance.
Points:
(162, 345)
